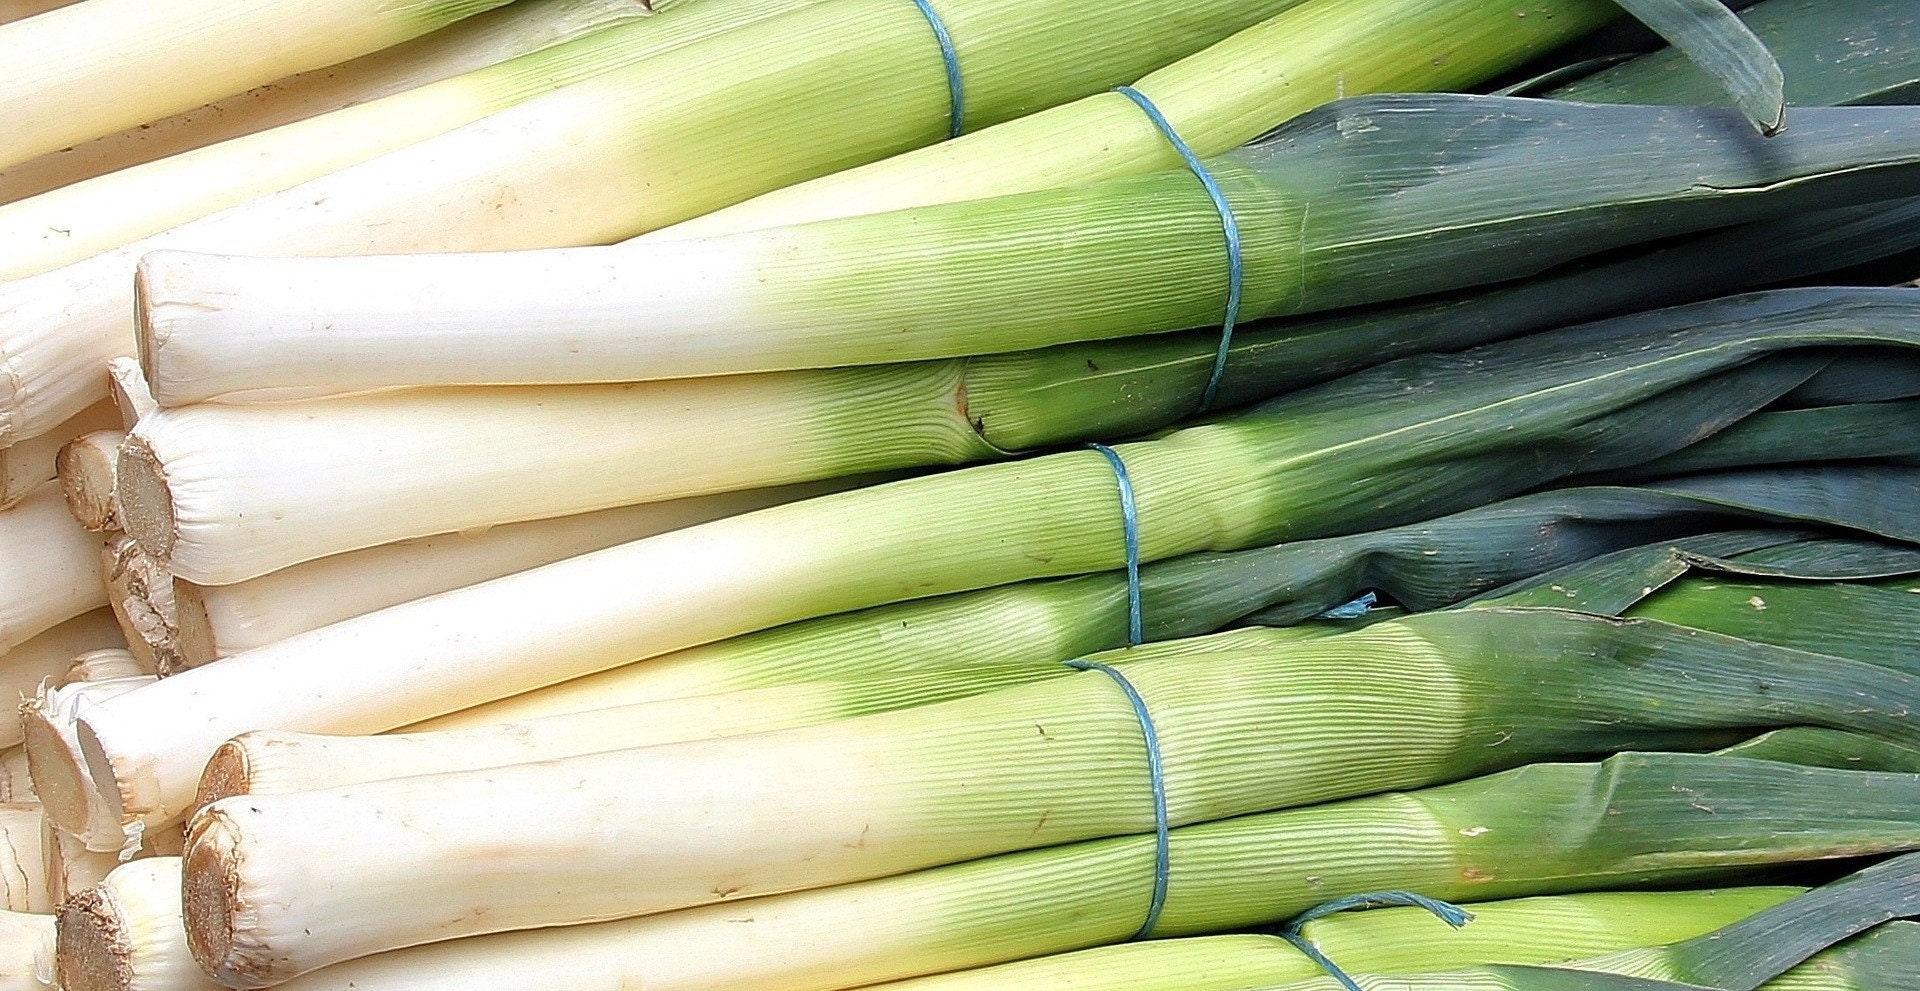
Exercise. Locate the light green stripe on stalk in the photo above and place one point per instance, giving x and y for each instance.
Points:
(1387, 941)
(1215, 99)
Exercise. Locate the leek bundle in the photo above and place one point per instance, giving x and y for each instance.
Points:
(1404, 441)
(830, 85)
(93, 68)
(1247, 722)
(299, 475)
(473, 43)
(1546, 828)
(1382, 941)
(1362, 201)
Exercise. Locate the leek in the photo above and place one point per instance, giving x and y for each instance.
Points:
(1205, 96)
(829, 86)
(53, 756)
(124, 934)
(1547, 828)
(1863, 431)
(23, 859)
(1816, 747)
(1382, 941)
(473, 43)
(26, 951)
(52, 571)
(93, 68)
(217, 620)
(140, 593)
(1362, 201)
(1404, 441)
(300, 476)
(1247, 721)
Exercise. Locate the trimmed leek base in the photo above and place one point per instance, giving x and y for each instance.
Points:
(27, 464)
(140, 593)
(584, 163)
(125, 934)
(52, 567)
(353, 473)
(1382, 941)
(92, 69)
(86, 470)
(476, 42)
(59, 772)
(23, 859)
(50, 656)
(219, 620)
(1545, 829)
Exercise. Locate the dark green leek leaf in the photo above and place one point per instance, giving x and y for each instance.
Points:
(1858, 431)
(1854, 52)
(1715, 39)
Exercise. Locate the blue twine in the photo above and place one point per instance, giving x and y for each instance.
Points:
(957, 121)
(1236, 269)
(1162, 841)
(1353, 610)
(1130, 519)
(1447, 912)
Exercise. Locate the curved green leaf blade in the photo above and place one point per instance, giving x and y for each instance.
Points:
(1715, 39)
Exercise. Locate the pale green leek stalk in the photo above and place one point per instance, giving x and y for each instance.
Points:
(79, 221)
(1383, 941)
(93, 68)
(1216, 100)
(302, 467)
(1816, 747)
(1401, 442)
(828, 87)
(1547, 828)
(1246, 722)
(1362, 201)
(474, 43)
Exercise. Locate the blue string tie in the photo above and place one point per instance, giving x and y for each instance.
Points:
(1130, 520)
(1447, 912)
(956, 92)
(1236, 266)
(1162, 840)
(1353, 610)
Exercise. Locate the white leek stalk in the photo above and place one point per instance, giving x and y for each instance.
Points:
(52, 569)
(85, 467)
(129, 392)
(72, 868)
(1216, 99)
(16, 777)
(479, 41)
(77, 222)
(140, 593)
(218, 620)
(124, 934)
(59, 772)
(48, 657)
(27, 464)
(26, 951)
(357, 472)
(23, 859)
(98, 66)
(589, 163)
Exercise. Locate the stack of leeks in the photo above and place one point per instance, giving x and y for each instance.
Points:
(566, 493)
